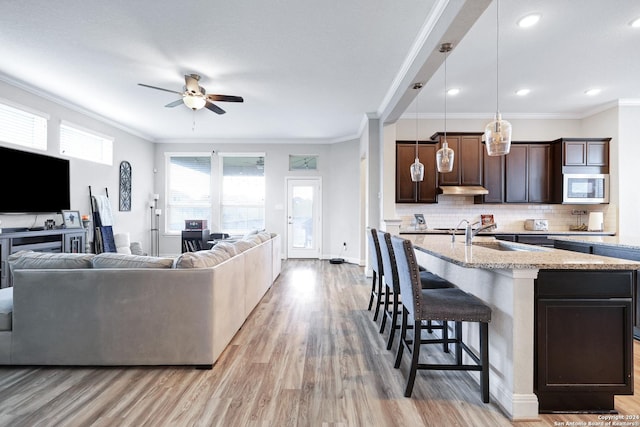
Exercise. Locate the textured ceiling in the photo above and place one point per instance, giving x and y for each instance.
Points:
(314, 70)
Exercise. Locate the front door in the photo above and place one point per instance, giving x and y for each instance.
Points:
(304, 222)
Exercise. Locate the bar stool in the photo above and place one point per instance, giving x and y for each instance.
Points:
(378, 272)
(448, 304)
(393, 299)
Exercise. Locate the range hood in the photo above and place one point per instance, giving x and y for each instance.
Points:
(463, 190)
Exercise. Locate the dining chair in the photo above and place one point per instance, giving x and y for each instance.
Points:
(378, 272)
(393, 296)
(445, 304)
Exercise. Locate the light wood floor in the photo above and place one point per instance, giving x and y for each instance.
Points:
(309, 355)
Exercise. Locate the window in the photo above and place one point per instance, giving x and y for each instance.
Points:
(85, 144)
(243, 189)
(299, 162)
(22, 126)
(188, 189)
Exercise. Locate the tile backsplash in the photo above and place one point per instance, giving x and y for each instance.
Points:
(449, 210)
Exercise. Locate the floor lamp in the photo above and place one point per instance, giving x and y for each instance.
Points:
(155, 226)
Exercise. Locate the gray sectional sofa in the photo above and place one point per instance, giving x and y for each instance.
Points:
(117, 309)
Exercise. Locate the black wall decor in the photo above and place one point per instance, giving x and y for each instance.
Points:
(125, 186)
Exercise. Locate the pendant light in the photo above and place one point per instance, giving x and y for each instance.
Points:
(497, 134)
(445, 155)
(417, 168)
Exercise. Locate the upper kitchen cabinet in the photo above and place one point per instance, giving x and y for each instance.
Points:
(492, 178)
(529, 174)
(408, 191)
(585, 155)
(467, 161)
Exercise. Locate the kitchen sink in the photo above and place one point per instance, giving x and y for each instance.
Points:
(504, 246)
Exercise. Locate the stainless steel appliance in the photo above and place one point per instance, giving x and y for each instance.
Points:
(585, 188)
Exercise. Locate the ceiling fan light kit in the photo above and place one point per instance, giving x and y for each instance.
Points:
(195, 96)
(194, 102)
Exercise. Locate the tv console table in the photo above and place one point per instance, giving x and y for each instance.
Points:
(56, 240)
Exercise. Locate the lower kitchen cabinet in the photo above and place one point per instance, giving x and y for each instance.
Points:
(584, 344)
(614, 252)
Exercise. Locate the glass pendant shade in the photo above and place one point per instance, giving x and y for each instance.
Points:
(417, 171)
(497, 136)
(444, 158)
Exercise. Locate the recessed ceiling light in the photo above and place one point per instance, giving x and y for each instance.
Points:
(523, 92)
(635, 23)
(592, 92)
(529, 20)
(453, 91)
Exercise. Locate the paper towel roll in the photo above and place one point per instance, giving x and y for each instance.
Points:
(596, 221)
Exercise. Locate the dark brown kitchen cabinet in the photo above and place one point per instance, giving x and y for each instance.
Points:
(492, 178)
(528, 174)
(408, 191)
(584, 345)
(467, 161)
(589, 152)
(614, 252)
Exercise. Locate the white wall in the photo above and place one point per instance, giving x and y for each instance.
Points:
(338, 165)
(629, 171)
(136, 150)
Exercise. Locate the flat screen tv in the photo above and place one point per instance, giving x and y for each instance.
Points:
(33, 183)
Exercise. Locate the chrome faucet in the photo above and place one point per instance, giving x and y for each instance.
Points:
(470, 233)
(453, 230)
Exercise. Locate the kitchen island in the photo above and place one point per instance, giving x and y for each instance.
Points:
(561, 331)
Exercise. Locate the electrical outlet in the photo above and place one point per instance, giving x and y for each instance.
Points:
(578, 212)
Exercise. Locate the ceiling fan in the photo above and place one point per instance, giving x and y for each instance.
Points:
(195, 97)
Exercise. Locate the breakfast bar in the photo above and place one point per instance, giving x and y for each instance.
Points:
(560, 339)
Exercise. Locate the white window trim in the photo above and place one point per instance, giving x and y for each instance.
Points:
(91, 134)
(167, 158)
(221, 156)
(33, 112)
(24, 108)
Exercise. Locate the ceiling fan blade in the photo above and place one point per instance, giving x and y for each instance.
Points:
(226, 98)
(175, 103)
(159, 88)
(214, 108)
(191, 83)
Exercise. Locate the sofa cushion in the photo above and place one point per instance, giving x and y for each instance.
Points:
(243, 245)
(6, 308)
(202, 259)
(228, 247)
(117, 260)
(264, 236)
(40, 260)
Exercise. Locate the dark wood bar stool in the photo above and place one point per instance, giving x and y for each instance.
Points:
(448, 304)
(378, 272)
(393, 297)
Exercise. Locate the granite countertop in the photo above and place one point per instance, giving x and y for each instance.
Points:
(630, 242)
(437, 231)
(492, 256)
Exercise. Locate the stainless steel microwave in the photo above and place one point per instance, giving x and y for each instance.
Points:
(585, 188)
